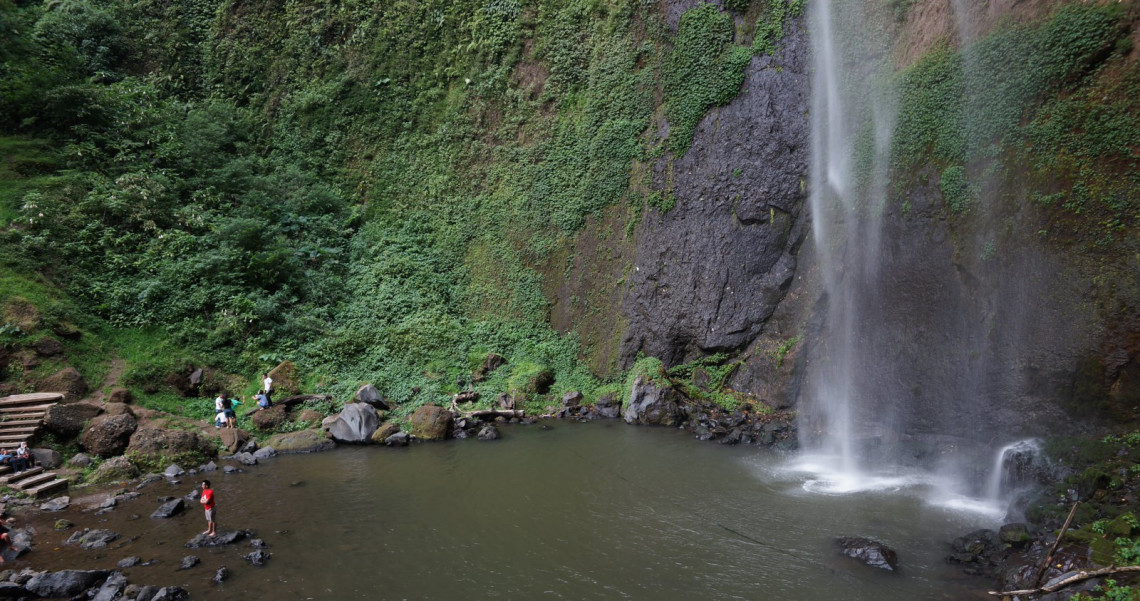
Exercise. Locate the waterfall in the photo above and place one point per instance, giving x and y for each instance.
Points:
(852, 117)
(1013, 469)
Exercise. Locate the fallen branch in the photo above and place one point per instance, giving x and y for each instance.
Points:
(1060, 535)
(301, 398)
(487, 412)
(1078, 577)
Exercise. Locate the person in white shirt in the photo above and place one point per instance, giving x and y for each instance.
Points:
(267, 386)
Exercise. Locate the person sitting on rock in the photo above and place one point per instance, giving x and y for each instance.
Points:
(262, 400)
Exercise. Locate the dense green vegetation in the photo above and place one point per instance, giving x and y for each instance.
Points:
(368, 189)
(1050, 107)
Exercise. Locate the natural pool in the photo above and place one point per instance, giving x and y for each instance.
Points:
(577, 511)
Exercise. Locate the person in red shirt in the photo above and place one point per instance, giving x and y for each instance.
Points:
(207, 501)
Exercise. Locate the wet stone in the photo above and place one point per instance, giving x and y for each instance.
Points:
(188, 562)
(258, 557)
(129, 562)
(56, 504)
(169, 509)
(222, 539)
(93, 539)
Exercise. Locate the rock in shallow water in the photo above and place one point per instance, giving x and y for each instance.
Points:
(223, 538)
(870, 552)
(93, 539)
(188, 562)
(169, 509)
(258, 557)
(64, 583)
(56, 504)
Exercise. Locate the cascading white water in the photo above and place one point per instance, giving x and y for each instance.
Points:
(850, 404)
(851, 124)
(1009, 463)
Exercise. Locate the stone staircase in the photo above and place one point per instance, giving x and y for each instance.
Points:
(21, 416)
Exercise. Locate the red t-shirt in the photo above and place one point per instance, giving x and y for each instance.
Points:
(208, 498)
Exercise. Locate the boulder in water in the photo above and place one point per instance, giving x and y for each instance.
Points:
(169, 509)
(431, 422)
(870, 552)
(355, 424)
(608, 406)
(93, 539)
(188, 562)
(221, 540)
(303, 441)
(258, 557)
(652, 403)
(64, 583)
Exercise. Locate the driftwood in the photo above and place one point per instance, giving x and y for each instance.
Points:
(289, 401)
(467, 396)
(486, 412)
(1078, 577)
(1060, 535)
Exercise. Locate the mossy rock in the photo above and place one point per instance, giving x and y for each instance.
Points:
(286, 380)
(20, 312)
(116, 469)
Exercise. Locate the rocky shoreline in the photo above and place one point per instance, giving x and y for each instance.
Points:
(1010, 555)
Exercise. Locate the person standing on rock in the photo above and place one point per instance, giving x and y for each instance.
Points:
(228, 409)
(207, 501)
(267, 386)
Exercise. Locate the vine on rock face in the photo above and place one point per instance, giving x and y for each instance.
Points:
(704, 70)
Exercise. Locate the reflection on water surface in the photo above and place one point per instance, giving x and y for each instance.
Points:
(580, 511)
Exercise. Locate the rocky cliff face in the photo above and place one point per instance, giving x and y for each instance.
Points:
(978, 328)
(710, 272)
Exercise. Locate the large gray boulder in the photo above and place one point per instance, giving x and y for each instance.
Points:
(609, 405)
(355, 424)
(109, 435)
(64, 583)
(48, 458)
(368, 394)
(652, 403)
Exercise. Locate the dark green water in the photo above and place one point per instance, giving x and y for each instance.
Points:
(580, 511)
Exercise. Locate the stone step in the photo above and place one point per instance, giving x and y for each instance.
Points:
(6, 409)
(6, 429)
(39, 417)
(47, 488)
(12, 478)
(32, 481)
(20, 422)
(4, 469)
(13, 439)
(33, 398)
